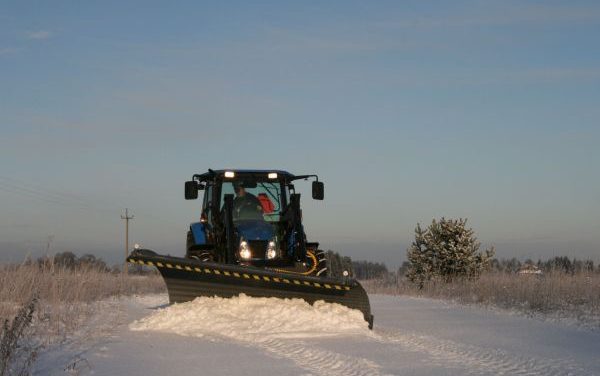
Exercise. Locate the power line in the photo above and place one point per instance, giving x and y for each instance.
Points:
(45, 197)
(22, 188)
(49, 193)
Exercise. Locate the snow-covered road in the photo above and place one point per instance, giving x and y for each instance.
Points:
(411, 337)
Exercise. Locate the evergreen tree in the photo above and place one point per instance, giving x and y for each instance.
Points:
(446, 249)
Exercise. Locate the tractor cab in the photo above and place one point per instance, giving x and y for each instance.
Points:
(250, 217)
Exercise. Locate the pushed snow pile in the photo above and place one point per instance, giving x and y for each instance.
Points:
(247, 318)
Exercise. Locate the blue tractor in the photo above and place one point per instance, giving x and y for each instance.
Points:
(250, 239)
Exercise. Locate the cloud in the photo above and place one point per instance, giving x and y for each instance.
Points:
(7, 51)
(506, 13)
(556, 74)
(39, 35)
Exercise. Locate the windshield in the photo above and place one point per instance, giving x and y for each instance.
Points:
(254, 200)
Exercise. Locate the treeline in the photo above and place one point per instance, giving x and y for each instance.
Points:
(337, 264)
(364, 270)
(70, 261)
(369, 270)
(561, 264)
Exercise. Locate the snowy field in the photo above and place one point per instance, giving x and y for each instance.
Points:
(251, 336)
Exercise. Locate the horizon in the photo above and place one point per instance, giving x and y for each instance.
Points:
(392, 258)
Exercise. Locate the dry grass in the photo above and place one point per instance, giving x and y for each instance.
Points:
(554, 294)
(42, 304)
(17, 350)
(66, 296)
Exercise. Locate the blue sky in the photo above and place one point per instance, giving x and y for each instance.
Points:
(408, 111)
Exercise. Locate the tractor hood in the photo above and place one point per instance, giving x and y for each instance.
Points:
(252, 229)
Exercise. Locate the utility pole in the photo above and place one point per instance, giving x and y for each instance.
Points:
(48, 260)
(126, 218)
(49, 239)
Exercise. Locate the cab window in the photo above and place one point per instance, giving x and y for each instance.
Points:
(267, 193)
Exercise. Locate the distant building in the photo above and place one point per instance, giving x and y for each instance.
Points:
(529, 269)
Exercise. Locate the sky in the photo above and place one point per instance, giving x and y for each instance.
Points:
(407, 110)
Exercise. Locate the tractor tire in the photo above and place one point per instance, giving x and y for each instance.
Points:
(321, 269)
(202, 256)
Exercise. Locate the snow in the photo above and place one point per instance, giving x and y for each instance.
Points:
(255, 319)
(247, 336)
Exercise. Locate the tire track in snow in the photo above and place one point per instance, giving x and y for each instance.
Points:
(477, 360)
(277, 326)
(319, 361)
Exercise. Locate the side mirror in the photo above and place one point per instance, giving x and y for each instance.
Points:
(318, 190)
(191, 189)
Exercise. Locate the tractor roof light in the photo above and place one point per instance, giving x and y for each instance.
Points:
(229, 174)
(272, 175)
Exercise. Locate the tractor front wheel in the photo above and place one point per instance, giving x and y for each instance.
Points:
(318, 261)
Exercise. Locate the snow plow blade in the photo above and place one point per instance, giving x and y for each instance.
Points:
(187, 279)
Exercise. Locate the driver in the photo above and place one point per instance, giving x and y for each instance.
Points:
(245, 202)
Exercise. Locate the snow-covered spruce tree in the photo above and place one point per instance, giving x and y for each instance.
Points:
(446, 250)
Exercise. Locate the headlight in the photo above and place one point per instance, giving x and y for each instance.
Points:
(271, 250)
(245, 250)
